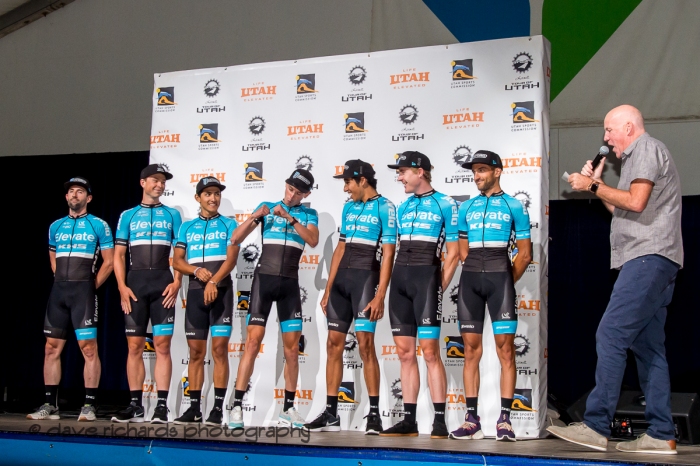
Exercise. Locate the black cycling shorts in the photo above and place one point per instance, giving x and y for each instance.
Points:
(351, 292)
(71, 303)
(217, 315)
(476, 290)
(148, 286)
(267, 289)
(415, 301)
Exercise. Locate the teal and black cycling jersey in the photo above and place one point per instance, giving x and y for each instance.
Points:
(148, 231)
(365, 227)
(426, 222)
(77, 242)
(206, 241)
(282, 245)
(491, 224)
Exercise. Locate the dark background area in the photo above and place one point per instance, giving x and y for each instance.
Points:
(580, 283)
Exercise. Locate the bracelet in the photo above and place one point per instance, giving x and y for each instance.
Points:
(213, 282)
(293, 222)
(195, 272)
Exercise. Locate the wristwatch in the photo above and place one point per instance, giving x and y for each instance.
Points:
(257, 220)
(293, 221)
(594, 187)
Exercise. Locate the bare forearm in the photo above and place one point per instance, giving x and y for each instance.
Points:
(335, 263)
(309, 236)
(120, 268)
(387, 266)
(103, 273)
(243, 230)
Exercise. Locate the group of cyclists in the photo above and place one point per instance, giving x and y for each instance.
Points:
(379, 246)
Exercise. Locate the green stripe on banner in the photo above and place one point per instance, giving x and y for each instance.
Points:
(577, 30)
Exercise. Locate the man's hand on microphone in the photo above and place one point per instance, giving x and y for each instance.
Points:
(588, 171)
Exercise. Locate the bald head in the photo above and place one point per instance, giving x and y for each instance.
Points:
(623, 125)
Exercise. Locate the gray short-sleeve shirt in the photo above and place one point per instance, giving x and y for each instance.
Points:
(657, 229)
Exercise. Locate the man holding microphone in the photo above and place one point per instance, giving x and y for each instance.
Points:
(647, 248)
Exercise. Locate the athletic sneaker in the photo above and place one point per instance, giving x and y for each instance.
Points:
(402, 429)
(216, 417)
(236, 418)
(292, 418)
(439, 430)
(87, 413)
(504, 429)
(189, 416)
(470, 430)
(45, 411)
(160, 415)
(325, 422)
(374, 424)
(133, 413)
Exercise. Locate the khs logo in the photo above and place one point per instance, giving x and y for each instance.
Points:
(259, 90)
(409, 77)
(300, 394)
(240, 347)
(195, 177)
(305, 129)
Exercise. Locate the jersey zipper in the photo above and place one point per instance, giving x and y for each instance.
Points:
(70, 253)
(483, 235)
(204, 240)
(150, 263)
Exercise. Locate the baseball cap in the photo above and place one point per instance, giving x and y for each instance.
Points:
(154, 169)
(486, 157)
(412, 159)
(355, 168)
(301, 179)
(78, 181)
(207, 182)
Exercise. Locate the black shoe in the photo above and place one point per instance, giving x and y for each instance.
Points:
(439, 430)
(160, 415)
(189, 416)
(402, 429)
(132, 413)
(325, 422)
(216, 417)
(374, 424)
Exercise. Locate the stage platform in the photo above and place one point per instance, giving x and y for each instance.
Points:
(67, 441)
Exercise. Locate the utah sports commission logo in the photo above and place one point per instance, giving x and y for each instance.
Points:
(523, 112)
(208, 133)
(355, 122)
(253, 172)
(306, 83)
(462, 70)
(166, 96)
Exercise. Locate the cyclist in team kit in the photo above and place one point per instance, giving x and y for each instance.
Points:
(357, 284)
(75, 242)
(488, 224)
(149, 290)
(427, 220)
(286, 227)
(205, 252)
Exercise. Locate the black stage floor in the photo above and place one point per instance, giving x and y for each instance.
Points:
(543, 449)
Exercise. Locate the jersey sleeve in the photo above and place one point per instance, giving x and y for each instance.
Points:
(121, 236)
(182, 236)
(52, 234)
(462, 225)
(311, 217)
(177, 223)
(449, 213)
(343, 226)
(521, 219)
(104, 234)
(387, 217)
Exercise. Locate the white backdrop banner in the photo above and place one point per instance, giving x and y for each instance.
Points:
(252, 125)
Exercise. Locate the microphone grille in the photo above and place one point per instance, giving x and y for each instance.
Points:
(604, 150)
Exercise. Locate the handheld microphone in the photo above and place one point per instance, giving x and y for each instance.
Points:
(602, 152)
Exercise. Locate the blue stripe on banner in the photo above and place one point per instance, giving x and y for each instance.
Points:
(247, 319)
(163, 330)
(86, 333)
(365, 325)
(221, 330)
(432, 333)
(291, 325)
(506, 327)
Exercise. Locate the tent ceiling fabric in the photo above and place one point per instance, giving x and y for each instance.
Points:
(9, 5)
(648, 62)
